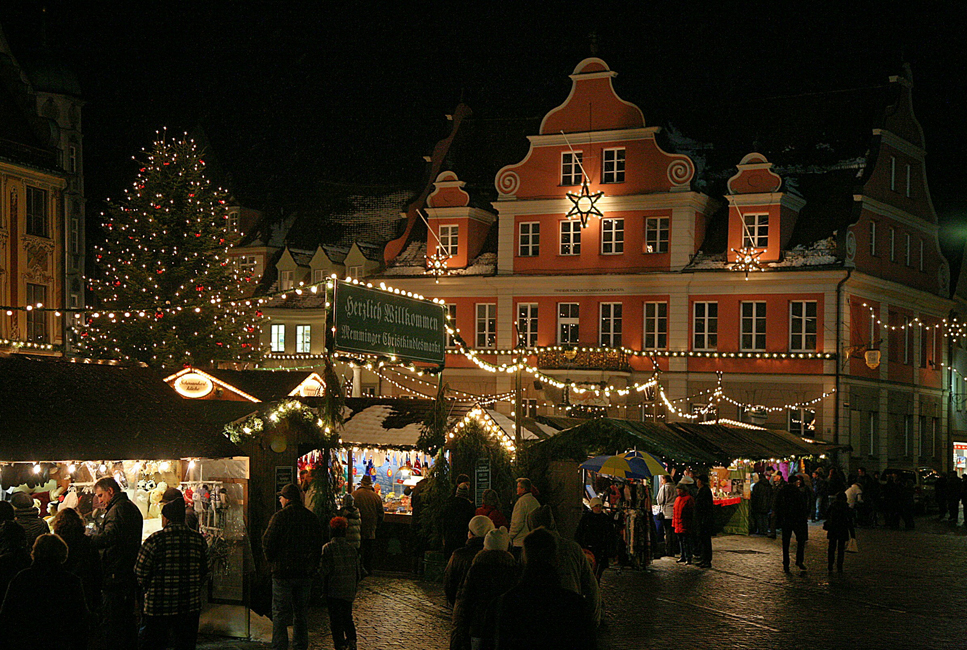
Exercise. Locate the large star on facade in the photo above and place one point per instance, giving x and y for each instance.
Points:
(746, 260)
(584, 204)
(436, 264)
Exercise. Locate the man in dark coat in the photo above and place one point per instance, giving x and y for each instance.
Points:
(820, 495)
(458, 510)
(761, 504)
(292, 545)
(371, 514)
(704, 521)
(462, 558)
(839, 527)
(792, 515)
(118, 539)
(538, 612)
(28, 516)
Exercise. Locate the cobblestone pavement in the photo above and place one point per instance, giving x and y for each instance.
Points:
(904, 589)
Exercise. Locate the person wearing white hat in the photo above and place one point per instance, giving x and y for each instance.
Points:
(494, 571)
(463, 557)
(596, 533)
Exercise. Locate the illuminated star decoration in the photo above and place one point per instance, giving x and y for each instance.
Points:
(584, 204)
(746, 259)
(436, 264)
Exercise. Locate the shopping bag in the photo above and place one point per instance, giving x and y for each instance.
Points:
(851, 546)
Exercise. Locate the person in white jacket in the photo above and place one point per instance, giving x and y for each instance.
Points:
(526, 504)
(665, 500)
(854, 496)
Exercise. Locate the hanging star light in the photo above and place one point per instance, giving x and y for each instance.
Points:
(584, 204)
(436, 264)
(746, 260)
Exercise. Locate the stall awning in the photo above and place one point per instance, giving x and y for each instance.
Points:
(706, 444)
(56, 410)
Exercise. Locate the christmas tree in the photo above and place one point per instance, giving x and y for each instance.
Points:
(167, 293)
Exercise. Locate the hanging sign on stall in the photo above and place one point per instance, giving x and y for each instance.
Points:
(372, 321)
(193, 385)
(481, 479)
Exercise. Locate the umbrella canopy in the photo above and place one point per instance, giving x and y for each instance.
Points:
(631, 464)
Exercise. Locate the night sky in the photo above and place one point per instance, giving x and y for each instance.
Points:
(293, 95)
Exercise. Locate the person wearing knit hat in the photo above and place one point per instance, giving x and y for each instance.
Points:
(340, 572)
(172, 568)
(596, 533)
(461, 559)
(28, 516)
(493, 572)
(458, 510)
(354, 521)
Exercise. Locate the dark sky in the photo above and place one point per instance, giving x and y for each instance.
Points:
(291, 93)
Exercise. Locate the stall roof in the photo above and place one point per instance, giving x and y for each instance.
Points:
(708, 444)
(56, 410)
(390, 422)
(260, 385)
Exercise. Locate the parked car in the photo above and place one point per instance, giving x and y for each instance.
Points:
(924, 481)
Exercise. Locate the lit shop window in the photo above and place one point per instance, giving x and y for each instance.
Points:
(277, 342)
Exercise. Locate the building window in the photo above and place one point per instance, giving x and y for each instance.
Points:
(452, 323)
(802, 326)
(37, 212)
(568, 322)
(450, 239)
(802, 422)
(72, 159)
(610, 330)
(277, 342)
(318, 275)
(756, 231)
(908, 181)
(612, 236)
(753, 326)
(656, 325)
(921, 434)
(656, 235)
(921, 255)
(907, 434)
(486, 325)
(527, 324)
(530, 407)
(571, 168)
(908, 250)
(873, 238)
(247, 265)
(73, 302)
(893, 173)
(74, 238)
(614, 166)
(570, 237)
(355, 272)
(705, 326)
(893, 244)
(906, 340)
(37, 330)
(871, 430)
(935, 428)
(233, 221)
(303, 338)
(286, 280)
(530, 239)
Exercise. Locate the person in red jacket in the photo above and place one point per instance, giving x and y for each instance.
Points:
(682, 522)
(491, 508)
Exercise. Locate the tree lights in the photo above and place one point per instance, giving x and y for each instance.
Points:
(165, 285)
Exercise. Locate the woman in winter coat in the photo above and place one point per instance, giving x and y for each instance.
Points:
(665, 500)
(491, 508)
(683, 515)
(839, 530)
(355, 521)
(596, 533)
(493, 572)
(83, 560)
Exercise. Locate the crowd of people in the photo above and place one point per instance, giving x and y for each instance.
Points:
(107, 579)
(526, 586)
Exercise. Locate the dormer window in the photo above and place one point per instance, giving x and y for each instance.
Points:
(614, 166)
(355, 272)
(449, 239)
(286, 280)
(318, 275)
(756, 233)
(233, 221)
(571, 168)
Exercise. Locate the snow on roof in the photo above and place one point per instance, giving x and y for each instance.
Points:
(367, 428)
(820, 253)
(507, 424)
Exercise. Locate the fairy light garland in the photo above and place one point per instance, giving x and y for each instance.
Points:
(951, 328)
(489, 424)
